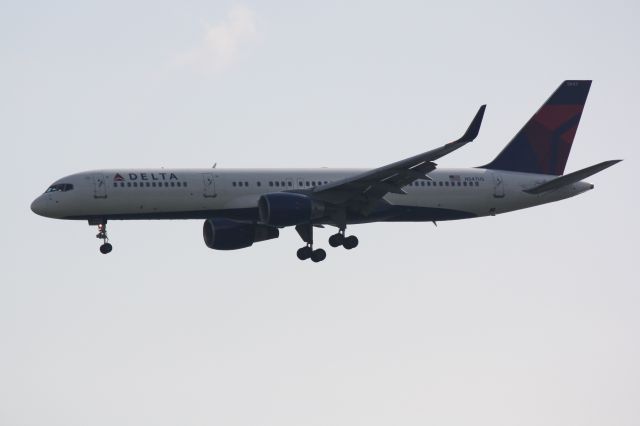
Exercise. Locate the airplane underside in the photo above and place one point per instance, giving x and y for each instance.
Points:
(390, 213)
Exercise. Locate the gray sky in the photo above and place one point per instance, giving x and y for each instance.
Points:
(527, 318)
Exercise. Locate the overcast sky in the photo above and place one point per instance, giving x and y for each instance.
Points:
(527, 318)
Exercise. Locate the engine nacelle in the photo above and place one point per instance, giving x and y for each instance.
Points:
(287, 209)
(226, 234)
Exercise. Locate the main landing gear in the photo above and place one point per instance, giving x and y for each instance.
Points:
(105, 248)
(336, 240)
(307, 252)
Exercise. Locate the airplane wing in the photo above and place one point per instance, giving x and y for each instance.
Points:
(372, 185)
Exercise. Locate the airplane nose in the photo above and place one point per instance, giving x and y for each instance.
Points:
(38, 206)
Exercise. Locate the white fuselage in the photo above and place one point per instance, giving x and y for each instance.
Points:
(202, 193)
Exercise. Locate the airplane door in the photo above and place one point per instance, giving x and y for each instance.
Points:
(99, 186)
(209, 185)
(498, 186)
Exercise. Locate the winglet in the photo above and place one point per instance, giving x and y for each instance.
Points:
(474, 127)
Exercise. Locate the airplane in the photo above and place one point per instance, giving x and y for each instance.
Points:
(241, 207)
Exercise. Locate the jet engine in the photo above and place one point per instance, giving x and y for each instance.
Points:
(227, 234)
(288, 209)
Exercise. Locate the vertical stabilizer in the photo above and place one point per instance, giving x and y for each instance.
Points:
(543, 144)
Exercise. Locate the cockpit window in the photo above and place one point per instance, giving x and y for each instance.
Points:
(60, 187)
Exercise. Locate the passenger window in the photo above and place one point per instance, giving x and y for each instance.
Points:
(173, 184)
(153, 184)
(246, 184)
(289, 183)
(277, 183)
(233, 183)
(308, 183)
(270, 183)
(184, 184)
(177, 184)
(300, 183)
(115, 184)
(258, 183)
(440, 183)
(477, 183)
(166, 184)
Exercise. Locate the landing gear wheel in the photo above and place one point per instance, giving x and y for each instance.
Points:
(307, 252)
(318, 255)
(350, 242)
(336, 240)
(304, 253)
(105, 248)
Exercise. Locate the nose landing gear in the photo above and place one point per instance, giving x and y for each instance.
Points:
(105, 248)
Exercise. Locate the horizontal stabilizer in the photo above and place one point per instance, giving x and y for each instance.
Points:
(571, 178)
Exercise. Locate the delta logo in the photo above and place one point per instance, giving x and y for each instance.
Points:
(145, 177)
